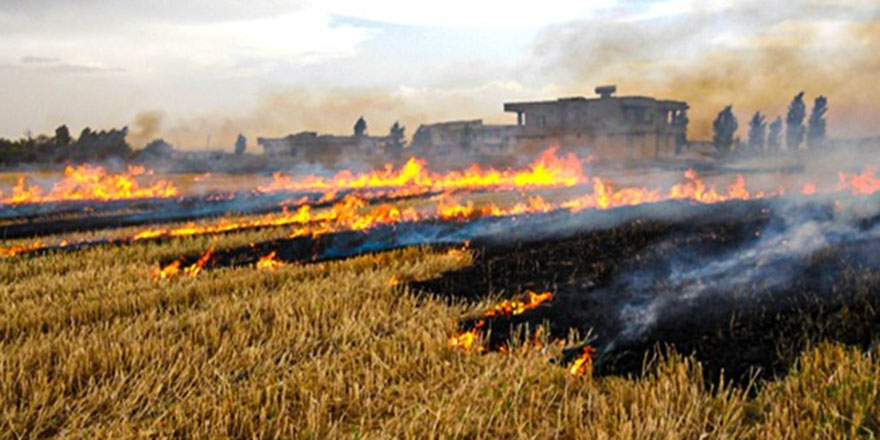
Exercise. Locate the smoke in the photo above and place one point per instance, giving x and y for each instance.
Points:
(797, 231)
(751, 55)
(282, 112)
(147, 126)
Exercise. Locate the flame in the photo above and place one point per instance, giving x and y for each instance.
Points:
(196, 268)
(582, 365)
(168, 271)
(513, 307)
(268, 262)
(547, 170)
(15, 250)
(808, 189)
(465, 340)
(87, 182)
(862, 184)
(351, 212)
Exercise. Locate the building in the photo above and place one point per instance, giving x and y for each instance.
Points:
(608, 127)
(312, 147)
(631, 127)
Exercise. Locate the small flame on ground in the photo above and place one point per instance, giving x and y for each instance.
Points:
(168, 271)
(268, 262)
(465, 340)
(582, 365)
(196, 268)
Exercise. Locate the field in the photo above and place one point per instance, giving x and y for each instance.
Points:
(94, 343)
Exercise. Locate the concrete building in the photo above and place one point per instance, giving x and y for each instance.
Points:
(608, 127)
(309, 146)
(631, 127)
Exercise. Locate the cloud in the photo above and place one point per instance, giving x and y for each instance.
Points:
(30, 59)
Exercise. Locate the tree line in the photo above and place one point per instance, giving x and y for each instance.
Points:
(763, 137)
(62, 147)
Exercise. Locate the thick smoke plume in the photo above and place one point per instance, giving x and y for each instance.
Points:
(749, 54)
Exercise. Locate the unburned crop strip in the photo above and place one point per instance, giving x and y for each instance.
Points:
(128, 363)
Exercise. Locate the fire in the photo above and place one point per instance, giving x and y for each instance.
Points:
(196, 268)
(547, 170)
(352, 213)
(862, 184)
(606, 196)
(268, 262)
(15, 250)
(87, 182)
(465, 340)
(583, 363)
(168, 271)
(513, 307)
(449, 209)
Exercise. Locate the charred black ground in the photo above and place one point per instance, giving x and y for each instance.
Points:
(757, 328)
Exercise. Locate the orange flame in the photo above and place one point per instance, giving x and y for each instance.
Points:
(86, 182)
(350, 214)
(168, 271)
(583, 363)
(862, 184)
(268, 262)
(547, 170)
(465, 340)
(196, 268)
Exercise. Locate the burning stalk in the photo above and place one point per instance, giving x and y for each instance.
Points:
(465, 340)
(582, 365)
(268, 262)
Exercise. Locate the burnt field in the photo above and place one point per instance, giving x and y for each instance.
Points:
(636, 288)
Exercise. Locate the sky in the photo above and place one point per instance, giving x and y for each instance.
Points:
(199, 72)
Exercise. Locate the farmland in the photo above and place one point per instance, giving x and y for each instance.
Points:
(349, 332)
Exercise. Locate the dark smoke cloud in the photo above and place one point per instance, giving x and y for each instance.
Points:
(751, 55)
(146, 127)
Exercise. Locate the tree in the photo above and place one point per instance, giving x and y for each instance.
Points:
(360, 127)
(240, 144)
(774, 135)
(681, 123)
(725, 127)
(794, 122)
(757, 132)
(158, 148)
(816, 130)
(62, 136)
(397, 134)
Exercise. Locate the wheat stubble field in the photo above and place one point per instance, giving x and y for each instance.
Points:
(91, 346)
